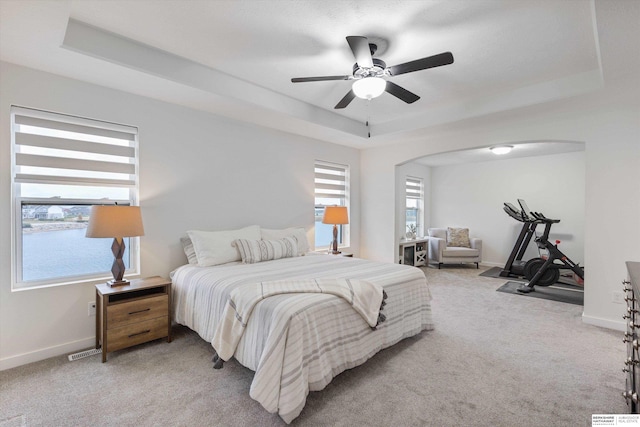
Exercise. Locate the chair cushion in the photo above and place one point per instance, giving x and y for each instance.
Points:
(457, 252)
(458, 237)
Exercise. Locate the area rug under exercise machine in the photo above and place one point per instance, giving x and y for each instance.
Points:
(565, 278)
(557, 292)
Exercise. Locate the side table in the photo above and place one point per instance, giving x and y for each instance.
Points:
(132, 314)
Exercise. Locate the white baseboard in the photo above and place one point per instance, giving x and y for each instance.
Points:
(491, 264)
(45, 353)
(604, 323)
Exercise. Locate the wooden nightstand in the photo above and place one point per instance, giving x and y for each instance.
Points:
(132, 314)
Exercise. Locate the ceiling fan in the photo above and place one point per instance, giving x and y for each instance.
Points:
(368, 73)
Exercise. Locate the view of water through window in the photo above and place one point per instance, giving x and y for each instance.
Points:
(54, 244)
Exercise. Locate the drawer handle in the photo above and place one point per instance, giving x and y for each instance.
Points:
(139, 311)
(140, 333)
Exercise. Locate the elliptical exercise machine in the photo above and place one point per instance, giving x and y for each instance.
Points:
(542, 271)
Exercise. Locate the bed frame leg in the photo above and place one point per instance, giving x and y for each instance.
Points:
(218, 363)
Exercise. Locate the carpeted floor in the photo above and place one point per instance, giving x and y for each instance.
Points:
(493, 360)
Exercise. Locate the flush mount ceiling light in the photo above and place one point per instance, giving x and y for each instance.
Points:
(501, 149)
(369, 87)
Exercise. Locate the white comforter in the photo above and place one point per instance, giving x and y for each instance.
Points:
(297, 343)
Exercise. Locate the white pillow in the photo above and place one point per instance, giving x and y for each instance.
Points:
(253, 251)
(187, 247)
(297, 232)
(216, 247)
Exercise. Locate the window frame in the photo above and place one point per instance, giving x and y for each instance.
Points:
(410, 189)
(344, 230)
(18, 200)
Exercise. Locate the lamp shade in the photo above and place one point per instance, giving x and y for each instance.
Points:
(335, 215)
(115, 221)
(369, 87)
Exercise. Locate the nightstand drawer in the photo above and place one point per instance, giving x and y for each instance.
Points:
(136, 311)
(127, 336)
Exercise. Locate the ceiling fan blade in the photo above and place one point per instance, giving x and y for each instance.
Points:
(401, 93)
(360, 47)
(319, 79)
(439, 60)
(346, 100)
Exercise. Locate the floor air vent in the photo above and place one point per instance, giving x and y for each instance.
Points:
(83, 354)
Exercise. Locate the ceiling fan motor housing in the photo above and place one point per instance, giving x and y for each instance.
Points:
(378, 69)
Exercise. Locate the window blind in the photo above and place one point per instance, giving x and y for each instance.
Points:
(52, 148)
(331, 183)
(413, 188)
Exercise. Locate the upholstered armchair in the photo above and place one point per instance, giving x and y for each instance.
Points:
(453, 246)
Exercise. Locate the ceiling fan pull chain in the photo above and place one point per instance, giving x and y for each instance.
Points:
(368, 118)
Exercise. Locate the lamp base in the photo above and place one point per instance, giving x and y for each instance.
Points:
(335, 252)
(116, 283)
(118, 268)
(334, 244)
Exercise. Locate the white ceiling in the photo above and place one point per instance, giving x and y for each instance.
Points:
(236, 58)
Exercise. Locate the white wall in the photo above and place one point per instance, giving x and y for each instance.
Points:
(472, 195)
(197, 171)
(607, 121)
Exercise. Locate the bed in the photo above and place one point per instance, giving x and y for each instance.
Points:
(296, 343)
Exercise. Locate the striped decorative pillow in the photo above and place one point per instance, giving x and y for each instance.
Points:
(252, 251)
(298, 232)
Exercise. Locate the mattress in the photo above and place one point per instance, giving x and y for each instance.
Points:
(298, 343)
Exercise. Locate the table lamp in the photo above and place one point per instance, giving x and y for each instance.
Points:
(335, 215)
(117, 222)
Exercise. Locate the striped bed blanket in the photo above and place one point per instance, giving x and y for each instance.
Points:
(298, 342)
(365, 298)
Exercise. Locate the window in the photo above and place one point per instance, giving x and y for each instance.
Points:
(61, 166)
(414, 195)
(331, 189)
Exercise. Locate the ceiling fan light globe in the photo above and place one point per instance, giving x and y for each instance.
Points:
(369, 87)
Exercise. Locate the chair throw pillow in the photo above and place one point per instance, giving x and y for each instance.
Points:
(252, 251)
(458, 237)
